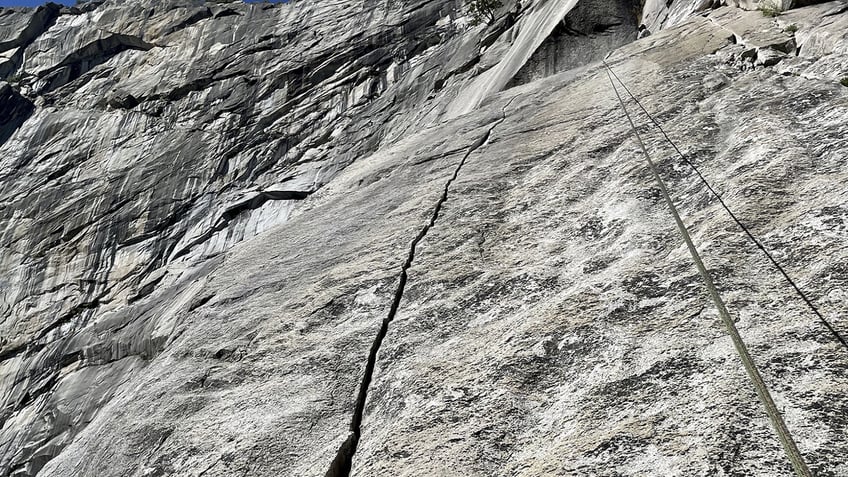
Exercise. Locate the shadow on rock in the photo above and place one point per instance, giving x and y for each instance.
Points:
(14, 111)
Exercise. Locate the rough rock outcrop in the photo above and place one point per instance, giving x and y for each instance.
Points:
(585, 34)
(18, 29)
(217, 218)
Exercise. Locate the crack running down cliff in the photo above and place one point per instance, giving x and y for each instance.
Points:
(342, 462)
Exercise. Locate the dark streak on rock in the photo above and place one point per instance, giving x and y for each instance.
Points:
(14, 111)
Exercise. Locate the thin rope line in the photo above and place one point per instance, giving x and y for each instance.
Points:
(745, 229)
(777, 421)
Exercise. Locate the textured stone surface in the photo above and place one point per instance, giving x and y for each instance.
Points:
(585, 34)
(18, 29)
(206, 208)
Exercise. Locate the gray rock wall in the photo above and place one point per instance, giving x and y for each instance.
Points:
(206, 212)
(586, 34)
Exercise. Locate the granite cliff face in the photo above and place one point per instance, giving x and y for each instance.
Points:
(367, 238)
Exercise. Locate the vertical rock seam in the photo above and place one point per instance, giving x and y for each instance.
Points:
(343, 461)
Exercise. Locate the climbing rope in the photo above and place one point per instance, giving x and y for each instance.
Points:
(763, 393)
(745, 229)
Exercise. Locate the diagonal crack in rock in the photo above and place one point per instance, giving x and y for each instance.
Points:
(343, 460)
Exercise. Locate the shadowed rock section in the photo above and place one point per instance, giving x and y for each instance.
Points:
(14, 111)
(585, 34)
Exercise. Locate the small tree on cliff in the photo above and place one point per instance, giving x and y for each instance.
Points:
(483, 11)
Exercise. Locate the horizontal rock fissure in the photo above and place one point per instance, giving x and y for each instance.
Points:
(199, 303)
(145, 290)
(172, 219)
(234, 211)
(34, 345)
(343, 460)
(836, 11)
(12, 352)
(198, 16)
(104, 47)
(73, 313)
(198, 84)
(89, 56)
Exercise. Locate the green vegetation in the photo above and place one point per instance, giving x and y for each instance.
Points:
(771, 8)
(483, 11)
(844, 82)
(791, 28)
(15, 79)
